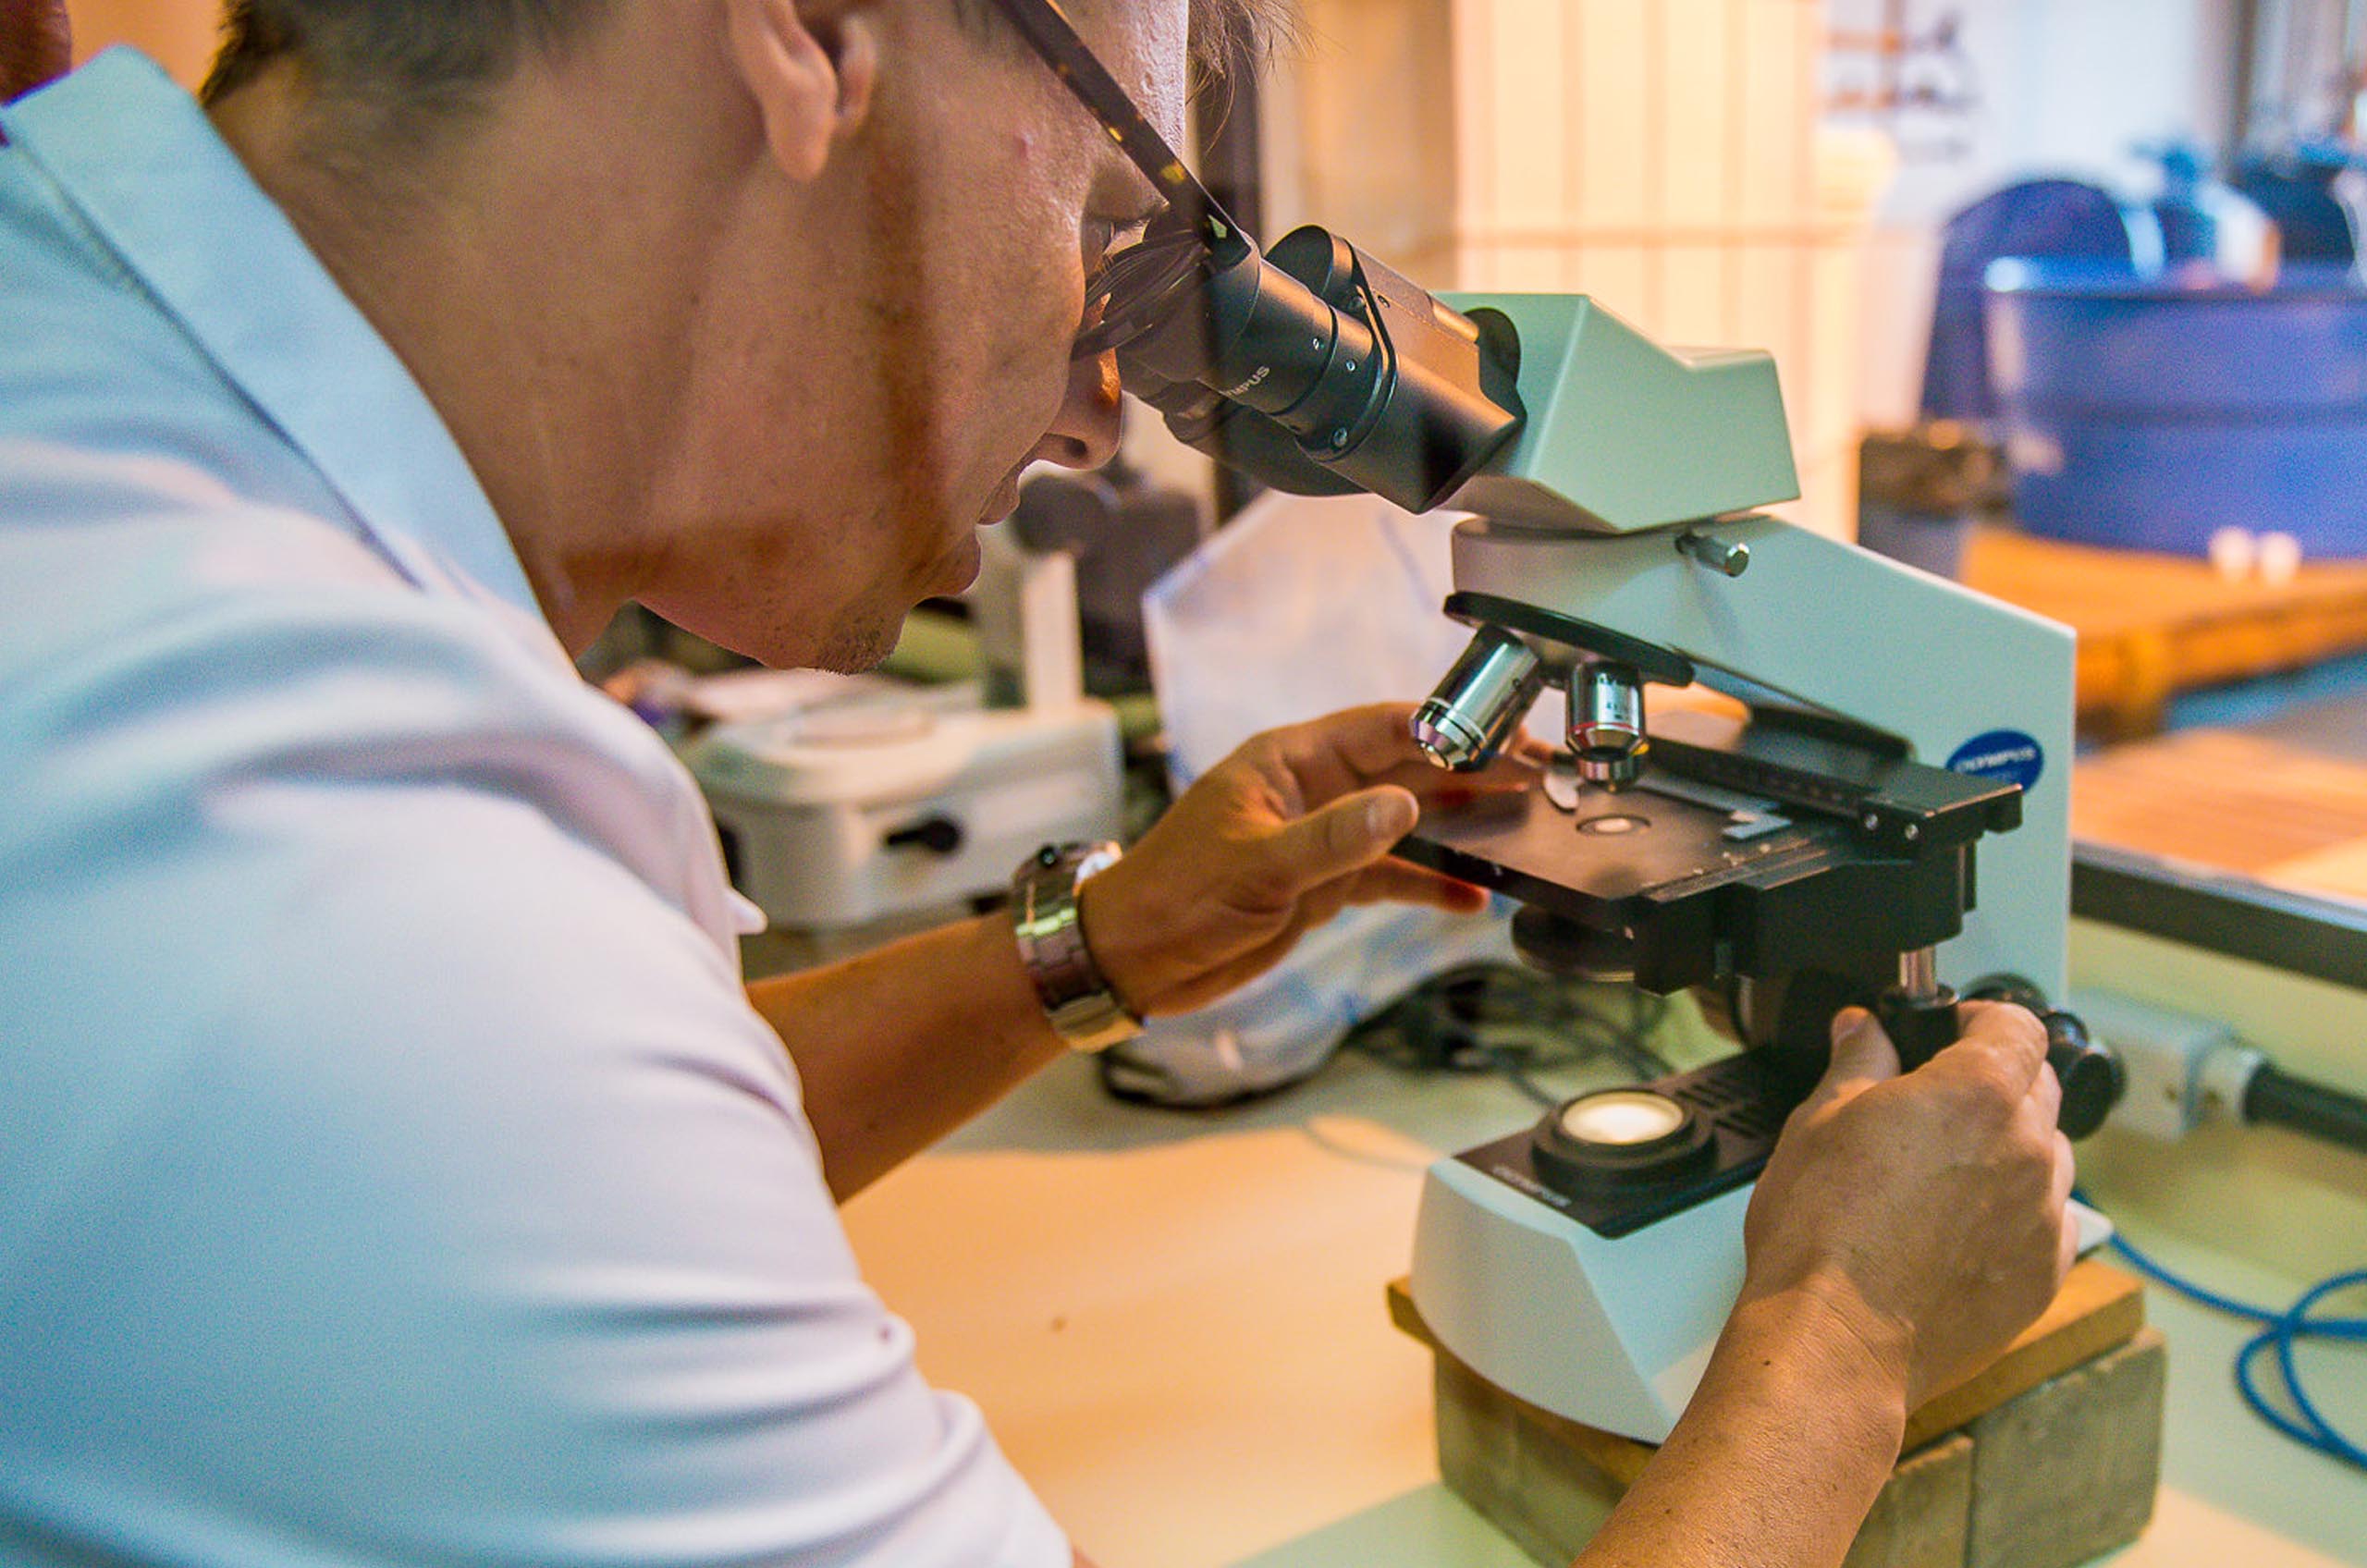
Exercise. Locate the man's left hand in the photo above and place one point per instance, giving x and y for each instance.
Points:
(1293, 826)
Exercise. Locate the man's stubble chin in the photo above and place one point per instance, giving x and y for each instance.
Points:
(852, 646)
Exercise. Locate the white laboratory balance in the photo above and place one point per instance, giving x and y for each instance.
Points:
(872, 803)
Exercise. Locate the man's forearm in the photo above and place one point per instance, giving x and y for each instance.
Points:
(900, 1047)
(1783, 1449)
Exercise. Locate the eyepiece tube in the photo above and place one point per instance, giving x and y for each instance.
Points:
(1607, 723)
(1368, 382)
(1266, 340)
(1462, 725)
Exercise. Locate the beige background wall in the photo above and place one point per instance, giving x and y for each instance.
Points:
(1668, 158)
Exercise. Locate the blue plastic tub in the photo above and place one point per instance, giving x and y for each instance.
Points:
(2150, 413)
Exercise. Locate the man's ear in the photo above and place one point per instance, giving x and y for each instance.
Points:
(811, 65)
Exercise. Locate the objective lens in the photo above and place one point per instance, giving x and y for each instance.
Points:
(1621, 1117)
(1607, 723)
(1481, 700)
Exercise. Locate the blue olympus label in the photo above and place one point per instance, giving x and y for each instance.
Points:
(2004, 754)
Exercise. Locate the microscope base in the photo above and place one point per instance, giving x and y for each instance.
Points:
(1602, 1315)
(1984, 1483)
(1612, 1333)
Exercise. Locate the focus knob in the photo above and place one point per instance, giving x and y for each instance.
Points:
(2091, 1074)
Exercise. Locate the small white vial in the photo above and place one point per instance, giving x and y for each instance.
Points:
(2280, 558)
(2233, 551)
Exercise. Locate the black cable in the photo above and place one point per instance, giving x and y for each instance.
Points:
(2287, 1101)
(1514, 1022)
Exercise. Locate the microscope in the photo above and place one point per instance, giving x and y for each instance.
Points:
(1884, 802)
(1880, 804)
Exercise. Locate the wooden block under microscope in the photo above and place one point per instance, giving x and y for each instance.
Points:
(2068, 1470)
(2098, 1308)
(2083, 1381)
(1922, 1517)
(1513, 1464)
(1545, 1495)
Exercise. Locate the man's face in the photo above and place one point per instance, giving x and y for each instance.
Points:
(852, 436)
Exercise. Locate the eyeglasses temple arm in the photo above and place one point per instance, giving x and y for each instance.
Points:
(1046, 27)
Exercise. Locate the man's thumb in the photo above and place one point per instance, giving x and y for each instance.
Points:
(1349, 834)
(1861, 1052)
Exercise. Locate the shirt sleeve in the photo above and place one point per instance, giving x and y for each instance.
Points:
(399, 1175)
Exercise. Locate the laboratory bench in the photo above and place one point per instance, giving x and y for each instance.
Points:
(1175, 1323)
(2290, 816)
(2152, 626)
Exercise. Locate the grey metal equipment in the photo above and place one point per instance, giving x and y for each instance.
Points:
(1715, 553)
(1606, 730)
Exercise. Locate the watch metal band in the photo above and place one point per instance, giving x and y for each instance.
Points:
(1046, 919)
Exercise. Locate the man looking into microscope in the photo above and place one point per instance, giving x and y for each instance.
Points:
(396, 1171)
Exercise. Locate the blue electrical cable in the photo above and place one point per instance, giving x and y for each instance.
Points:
(2280, 1331)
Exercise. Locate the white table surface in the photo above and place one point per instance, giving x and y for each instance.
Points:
(1175, 1325)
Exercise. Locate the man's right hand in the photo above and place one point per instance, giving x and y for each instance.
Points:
(1923, 1211)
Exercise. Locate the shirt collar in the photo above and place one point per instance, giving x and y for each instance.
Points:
(138, 158)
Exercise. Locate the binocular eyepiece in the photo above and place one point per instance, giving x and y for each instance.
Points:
(1316, 370)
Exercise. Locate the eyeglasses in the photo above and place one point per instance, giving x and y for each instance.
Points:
(1135, 289)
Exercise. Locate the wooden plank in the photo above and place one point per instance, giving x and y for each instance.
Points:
(2111, 591)
(2222, 799)
(2098, 1308)
(2338, 871)
(2044, 1458)
(2153, 625)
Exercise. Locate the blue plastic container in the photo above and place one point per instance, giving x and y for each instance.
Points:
(2150, 412)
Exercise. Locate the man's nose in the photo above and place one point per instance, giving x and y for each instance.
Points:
(1083, 434)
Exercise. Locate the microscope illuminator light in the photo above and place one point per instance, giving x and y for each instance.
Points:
(1621, 1117)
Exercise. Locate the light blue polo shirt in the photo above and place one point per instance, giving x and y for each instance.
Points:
(391, 1168)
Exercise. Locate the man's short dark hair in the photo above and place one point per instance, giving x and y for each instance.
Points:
(424, 55)
(417, 62)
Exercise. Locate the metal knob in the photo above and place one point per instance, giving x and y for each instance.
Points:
(1717, 555)
(1607, 723)
(937, 835)
(1482, 700)
(2090, 1071)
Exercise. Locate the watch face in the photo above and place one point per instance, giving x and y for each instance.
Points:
(1095, 859)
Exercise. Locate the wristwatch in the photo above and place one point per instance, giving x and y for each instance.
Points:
(1051, 945)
